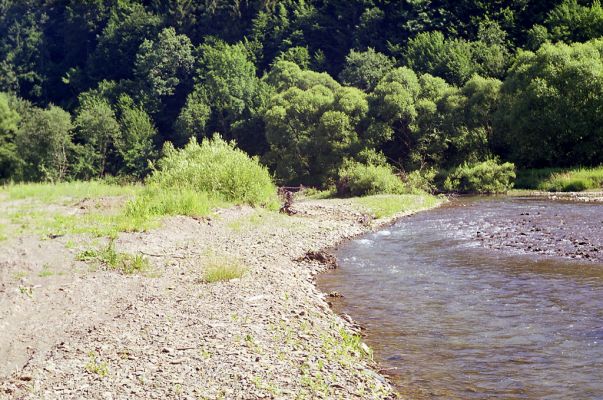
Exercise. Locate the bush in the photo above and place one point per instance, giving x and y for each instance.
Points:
(357, 179)
(217, 168)
(485, 177)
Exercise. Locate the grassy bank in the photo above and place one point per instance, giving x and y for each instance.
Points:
(560, 180)
(383, 206)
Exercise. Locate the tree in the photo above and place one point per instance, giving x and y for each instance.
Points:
(312, 124)
(164, 63)
(573, 22)
(550, 107)
(364, 69)
(44, 140)
(135, 143)
(451, 59)
(227, 85)
(97, 132)
(9, 158)
(129, 25)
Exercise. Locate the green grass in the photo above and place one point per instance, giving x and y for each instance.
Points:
(108, 257)
(382, 206)
(51, 193)
(3, 235)
(221, 268)
(156, 202)
(561, 180)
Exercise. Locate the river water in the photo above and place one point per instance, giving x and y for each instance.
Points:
(482, 298)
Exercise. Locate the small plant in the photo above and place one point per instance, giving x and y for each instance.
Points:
(26, 290)
(108, 257)
(95, 366)
(220, 269)
(46, 271)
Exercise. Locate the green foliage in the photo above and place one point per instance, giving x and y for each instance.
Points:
(217, 168)
(9, 119)
(135, 142)
(550, 107)
(44, 141)
(485, 177)
(365, 69)
(228, 97)
(312, 124)
(571, 21)
(162, 64)
(357, 179)
(561, 180)
(97, 129)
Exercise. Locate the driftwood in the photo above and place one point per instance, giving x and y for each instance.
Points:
(321, 257)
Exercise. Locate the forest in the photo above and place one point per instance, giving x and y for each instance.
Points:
(454, 95)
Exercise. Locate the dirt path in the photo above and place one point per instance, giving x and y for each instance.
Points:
(68, 332)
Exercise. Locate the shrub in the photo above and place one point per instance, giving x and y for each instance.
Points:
(357, 179)
(217, 168)
(421, 181)
(485, 177)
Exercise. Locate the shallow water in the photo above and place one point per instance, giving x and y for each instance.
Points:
(451, 315)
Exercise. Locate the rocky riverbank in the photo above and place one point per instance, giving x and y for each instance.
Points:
(82, 332)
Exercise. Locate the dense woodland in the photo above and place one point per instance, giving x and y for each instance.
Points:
(319, 90)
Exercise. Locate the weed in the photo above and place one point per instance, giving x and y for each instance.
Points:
(95, 366)
(26, 290)
(46, 271)
(222, 268)
(108, 257)
(20, 275)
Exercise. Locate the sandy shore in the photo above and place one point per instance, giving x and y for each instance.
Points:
(83, 332)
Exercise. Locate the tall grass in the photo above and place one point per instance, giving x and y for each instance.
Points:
(561, 180)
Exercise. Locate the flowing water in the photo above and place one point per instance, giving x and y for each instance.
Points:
(482, 298)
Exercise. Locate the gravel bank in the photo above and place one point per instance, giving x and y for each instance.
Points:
(97, 334)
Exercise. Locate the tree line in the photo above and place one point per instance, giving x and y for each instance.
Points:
(90, 88)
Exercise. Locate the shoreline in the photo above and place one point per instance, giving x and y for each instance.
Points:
(269, 334)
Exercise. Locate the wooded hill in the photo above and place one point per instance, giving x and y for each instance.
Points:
(316, 89)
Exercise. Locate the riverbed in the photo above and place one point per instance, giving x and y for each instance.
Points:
(482, 298)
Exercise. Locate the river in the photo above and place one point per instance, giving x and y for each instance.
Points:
(482, 298)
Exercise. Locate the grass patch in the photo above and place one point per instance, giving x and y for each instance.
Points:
(382, 206)
(222, 268)
(156, 202)
(96, 366)
(53, 192)
(561, 180)
(3, 235)
(46, 271)
(108, 257)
